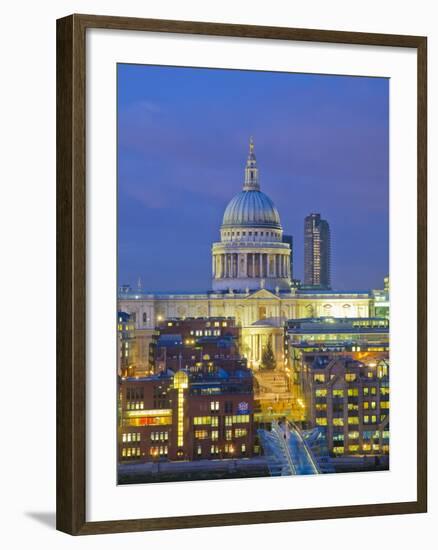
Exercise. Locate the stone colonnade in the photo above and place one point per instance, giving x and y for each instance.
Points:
(250, 264)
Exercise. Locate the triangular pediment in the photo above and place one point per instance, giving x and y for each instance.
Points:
(263, 294)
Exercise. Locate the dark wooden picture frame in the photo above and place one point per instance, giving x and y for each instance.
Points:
(71, 271)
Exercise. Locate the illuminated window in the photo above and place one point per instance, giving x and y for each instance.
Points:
(214, 405)
(338, 393)
(350, 377)
(353, 435)
(228, 435)
(199, 450)
(353, 420)
(366, 405)
(199, 420)
(320, 392)
(214, 435)
(373, 404)
(338, 450)
(366, 447)
(243, 448)
(215, 421)
(384, 404)
(366, 419)
(353, 448)
(319, 377)
(338, 421)
(353, 392)
(201, 434)
(321, 406)
(240, 432)
(321, 421)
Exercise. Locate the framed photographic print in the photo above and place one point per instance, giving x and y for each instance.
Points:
(241, 288)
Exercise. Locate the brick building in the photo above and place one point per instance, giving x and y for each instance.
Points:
(350, 399)
(207, 413)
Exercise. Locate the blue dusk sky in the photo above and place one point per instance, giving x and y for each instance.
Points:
(322, 145)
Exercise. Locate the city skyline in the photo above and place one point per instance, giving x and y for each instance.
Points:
(182, 156)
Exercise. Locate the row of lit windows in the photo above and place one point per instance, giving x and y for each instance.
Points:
(352, 420)
(236, 419)
(159, 436)
(366, 435)
(209, 332)
(214, 435)
(162, 450)
(123, 327)
(214, 420)
(209, 420)
(134, 405)
(149, 421)
(365, 447)
(351, 392)
(349, 377)
(216, 450)
(131, 451)
(128, 437)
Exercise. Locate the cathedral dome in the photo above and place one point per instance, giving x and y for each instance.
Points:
(251, 208)
(251, 254)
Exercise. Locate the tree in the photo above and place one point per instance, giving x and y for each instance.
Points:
(268, 357)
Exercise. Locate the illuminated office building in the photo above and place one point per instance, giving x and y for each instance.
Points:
(316, 252)
(349, 398)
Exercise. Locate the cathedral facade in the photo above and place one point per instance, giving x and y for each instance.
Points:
(251, 280)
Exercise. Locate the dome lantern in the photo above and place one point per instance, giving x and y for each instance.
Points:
(251, 170)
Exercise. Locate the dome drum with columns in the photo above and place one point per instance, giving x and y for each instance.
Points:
(251, 254)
